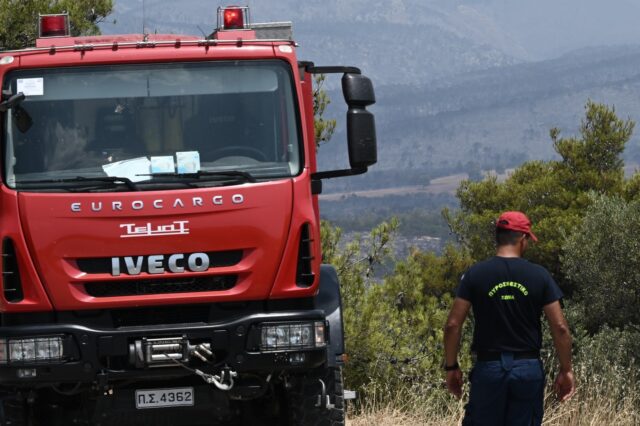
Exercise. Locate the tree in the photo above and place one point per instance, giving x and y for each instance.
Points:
(393, 324)
(602, 258)
(631, 188)
(594, 161)
(554, 194)
(18, 18)
(356, 263)
(323, 128)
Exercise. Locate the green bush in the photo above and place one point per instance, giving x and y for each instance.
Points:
(393, 325)
(602, 259)
(554, 194)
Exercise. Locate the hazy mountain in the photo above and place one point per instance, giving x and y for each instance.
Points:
(411, 41)
(500, 117)
(396, 41)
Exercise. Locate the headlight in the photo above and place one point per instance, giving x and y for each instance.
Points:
(49, 348)
(35, 349)
(22, 350)
(292, 336)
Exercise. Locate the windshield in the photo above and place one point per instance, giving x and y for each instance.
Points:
(151, 123)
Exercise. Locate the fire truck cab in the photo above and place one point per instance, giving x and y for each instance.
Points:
(160, 229)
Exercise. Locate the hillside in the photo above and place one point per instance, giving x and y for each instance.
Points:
(401, 41)
(382, 37)
(492, 119)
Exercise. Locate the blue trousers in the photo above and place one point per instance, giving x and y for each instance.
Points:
(506, 392)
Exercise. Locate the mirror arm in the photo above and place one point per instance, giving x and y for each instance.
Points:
(312, 69)
(338, 173)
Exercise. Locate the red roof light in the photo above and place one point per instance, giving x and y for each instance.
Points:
(54, 25)
(233, 19)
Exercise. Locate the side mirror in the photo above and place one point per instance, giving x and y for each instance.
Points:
(361, 130)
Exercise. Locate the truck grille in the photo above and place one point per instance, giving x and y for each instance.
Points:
(217, 259)
(304, 273)
(11, 273)
(160, 286)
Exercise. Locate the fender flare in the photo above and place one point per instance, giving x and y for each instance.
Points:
(330, 301)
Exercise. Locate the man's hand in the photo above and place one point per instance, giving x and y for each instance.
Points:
(452, 333)
(565, 385)
(454, 382)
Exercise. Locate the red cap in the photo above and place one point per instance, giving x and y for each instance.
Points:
(516, 221)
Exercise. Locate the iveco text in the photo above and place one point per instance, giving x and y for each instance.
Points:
(159, 263)
(97, 206)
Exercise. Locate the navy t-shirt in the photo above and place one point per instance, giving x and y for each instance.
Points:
(507, 295)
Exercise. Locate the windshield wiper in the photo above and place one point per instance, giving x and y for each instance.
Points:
(246, 176)
(107, 179)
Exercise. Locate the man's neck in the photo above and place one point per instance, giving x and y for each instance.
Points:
(508, 251)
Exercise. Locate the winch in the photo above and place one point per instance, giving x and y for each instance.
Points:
(166, 351)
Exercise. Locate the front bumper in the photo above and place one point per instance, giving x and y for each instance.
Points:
(103, 355)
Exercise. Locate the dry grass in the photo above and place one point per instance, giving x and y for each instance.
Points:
(389, 416)
(608, 391)
(570, 414)
(590, 409)
(585, 409)
(409, 410)
(386, 416)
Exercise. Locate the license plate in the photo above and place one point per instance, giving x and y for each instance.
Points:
(159, 398)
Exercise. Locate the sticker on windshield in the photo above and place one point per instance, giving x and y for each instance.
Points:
(135, 169)
(188, 161)
(31, 86)
(162, 164)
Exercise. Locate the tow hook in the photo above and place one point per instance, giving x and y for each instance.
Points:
(323, 399)
(224, 381)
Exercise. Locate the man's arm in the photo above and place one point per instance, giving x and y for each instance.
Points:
(452, 333)
(565, 385)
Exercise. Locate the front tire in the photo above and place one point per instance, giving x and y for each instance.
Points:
(303, 399)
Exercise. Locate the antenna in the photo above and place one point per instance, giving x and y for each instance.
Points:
(144, 19)
(204, 35)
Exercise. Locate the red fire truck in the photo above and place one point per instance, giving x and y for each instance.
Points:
(160, 232)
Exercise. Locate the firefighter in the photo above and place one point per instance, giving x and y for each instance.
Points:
(508, 295)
